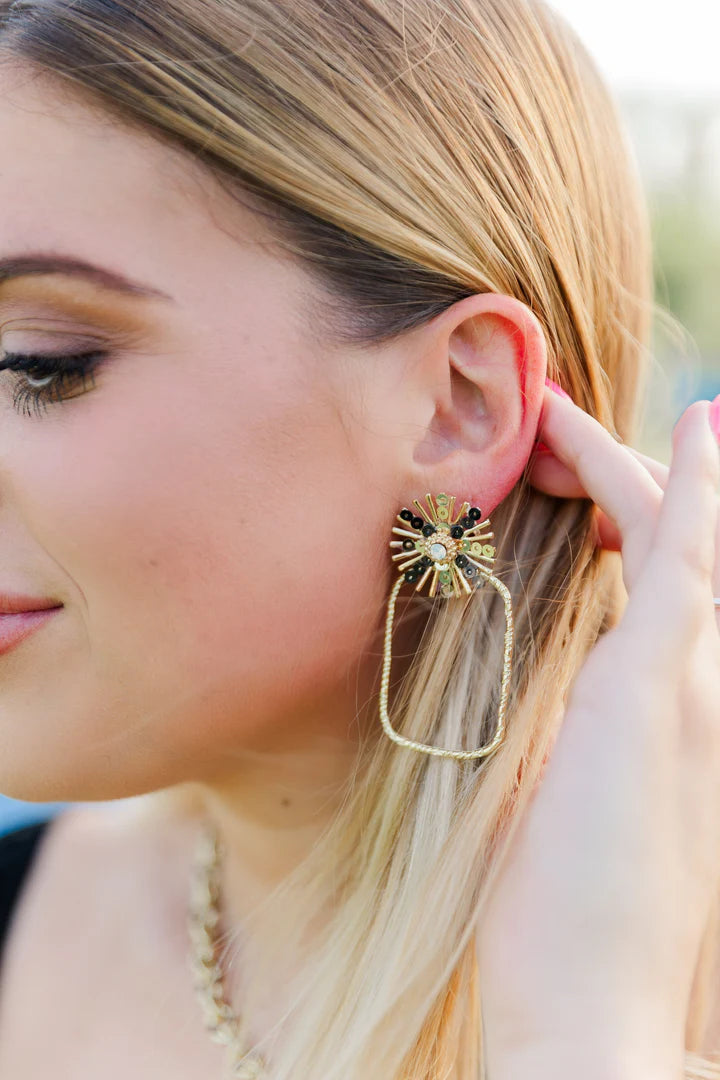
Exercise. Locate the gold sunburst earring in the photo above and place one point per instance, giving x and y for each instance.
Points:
(453, 554)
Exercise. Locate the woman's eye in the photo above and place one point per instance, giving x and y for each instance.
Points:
(49, 378)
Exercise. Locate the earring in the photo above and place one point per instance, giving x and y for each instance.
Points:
(454, 550)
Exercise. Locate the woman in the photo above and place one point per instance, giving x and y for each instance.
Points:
(274, 272)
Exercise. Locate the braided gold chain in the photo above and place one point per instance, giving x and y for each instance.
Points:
(203, 918)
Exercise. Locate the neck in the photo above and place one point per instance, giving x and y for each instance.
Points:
(271, 808)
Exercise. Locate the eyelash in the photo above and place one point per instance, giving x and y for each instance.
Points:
(36, 398)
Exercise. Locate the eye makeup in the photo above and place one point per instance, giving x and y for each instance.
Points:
(58, 297)
(48, 379)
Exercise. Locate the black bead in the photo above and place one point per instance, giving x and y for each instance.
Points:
(428, 530)
(406, 515)
(456, 532)
(469, 571)
(461, 559)
(467, 522)
(416, 522)
(408, 545)
(475, 513)
(426, 561)
(411, 575)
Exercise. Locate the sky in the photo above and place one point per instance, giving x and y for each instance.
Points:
(651, 46)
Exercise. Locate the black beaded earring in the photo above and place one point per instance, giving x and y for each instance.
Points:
(454, 554)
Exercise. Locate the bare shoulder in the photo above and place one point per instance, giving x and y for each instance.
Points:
(98, 952)
(105, 880)
(49, 888)
(711, 1040)
(50, 912)
(82, 859)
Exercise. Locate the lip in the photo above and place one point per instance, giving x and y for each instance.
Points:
(15, 603)
(15, 627)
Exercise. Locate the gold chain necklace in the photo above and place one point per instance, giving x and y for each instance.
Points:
(203, 922)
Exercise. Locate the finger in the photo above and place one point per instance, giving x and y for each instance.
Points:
(607, 471)
(608, 535)
(657, 470)
(660, 474)
(684, 561)
(548, 474)
(551, 476)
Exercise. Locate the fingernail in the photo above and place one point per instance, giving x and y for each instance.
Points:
(715, 417)
(557, 389)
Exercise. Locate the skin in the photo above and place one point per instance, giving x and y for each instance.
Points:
(203, 641)
(214, 512)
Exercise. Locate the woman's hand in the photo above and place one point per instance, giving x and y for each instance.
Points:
(590, 942)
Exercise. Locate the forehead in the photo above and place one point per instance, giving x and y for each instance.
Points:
(74, 180)
(60, 155)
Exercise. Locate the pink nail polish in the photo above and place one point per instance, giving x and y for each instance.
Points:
(557, 389)
(715, 417)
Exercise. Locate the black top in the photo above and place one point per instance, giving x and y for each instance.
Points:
(17, 850)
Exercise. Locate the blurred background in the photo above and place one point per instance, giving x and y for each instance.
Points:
(661, 62)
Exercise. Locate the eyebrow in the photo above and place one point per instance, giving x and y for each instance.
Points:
(26, 265)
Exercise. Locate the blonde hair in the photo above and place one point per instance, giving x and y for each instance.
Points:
(410, 154)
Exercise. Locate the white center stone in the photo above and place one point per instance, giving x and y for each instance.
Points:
(438, 551)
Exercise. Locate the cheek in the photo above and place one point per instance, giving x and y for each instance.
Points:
(221, 569)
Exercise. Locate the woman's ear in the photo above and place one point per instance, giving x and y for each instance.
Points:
(487, 360)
